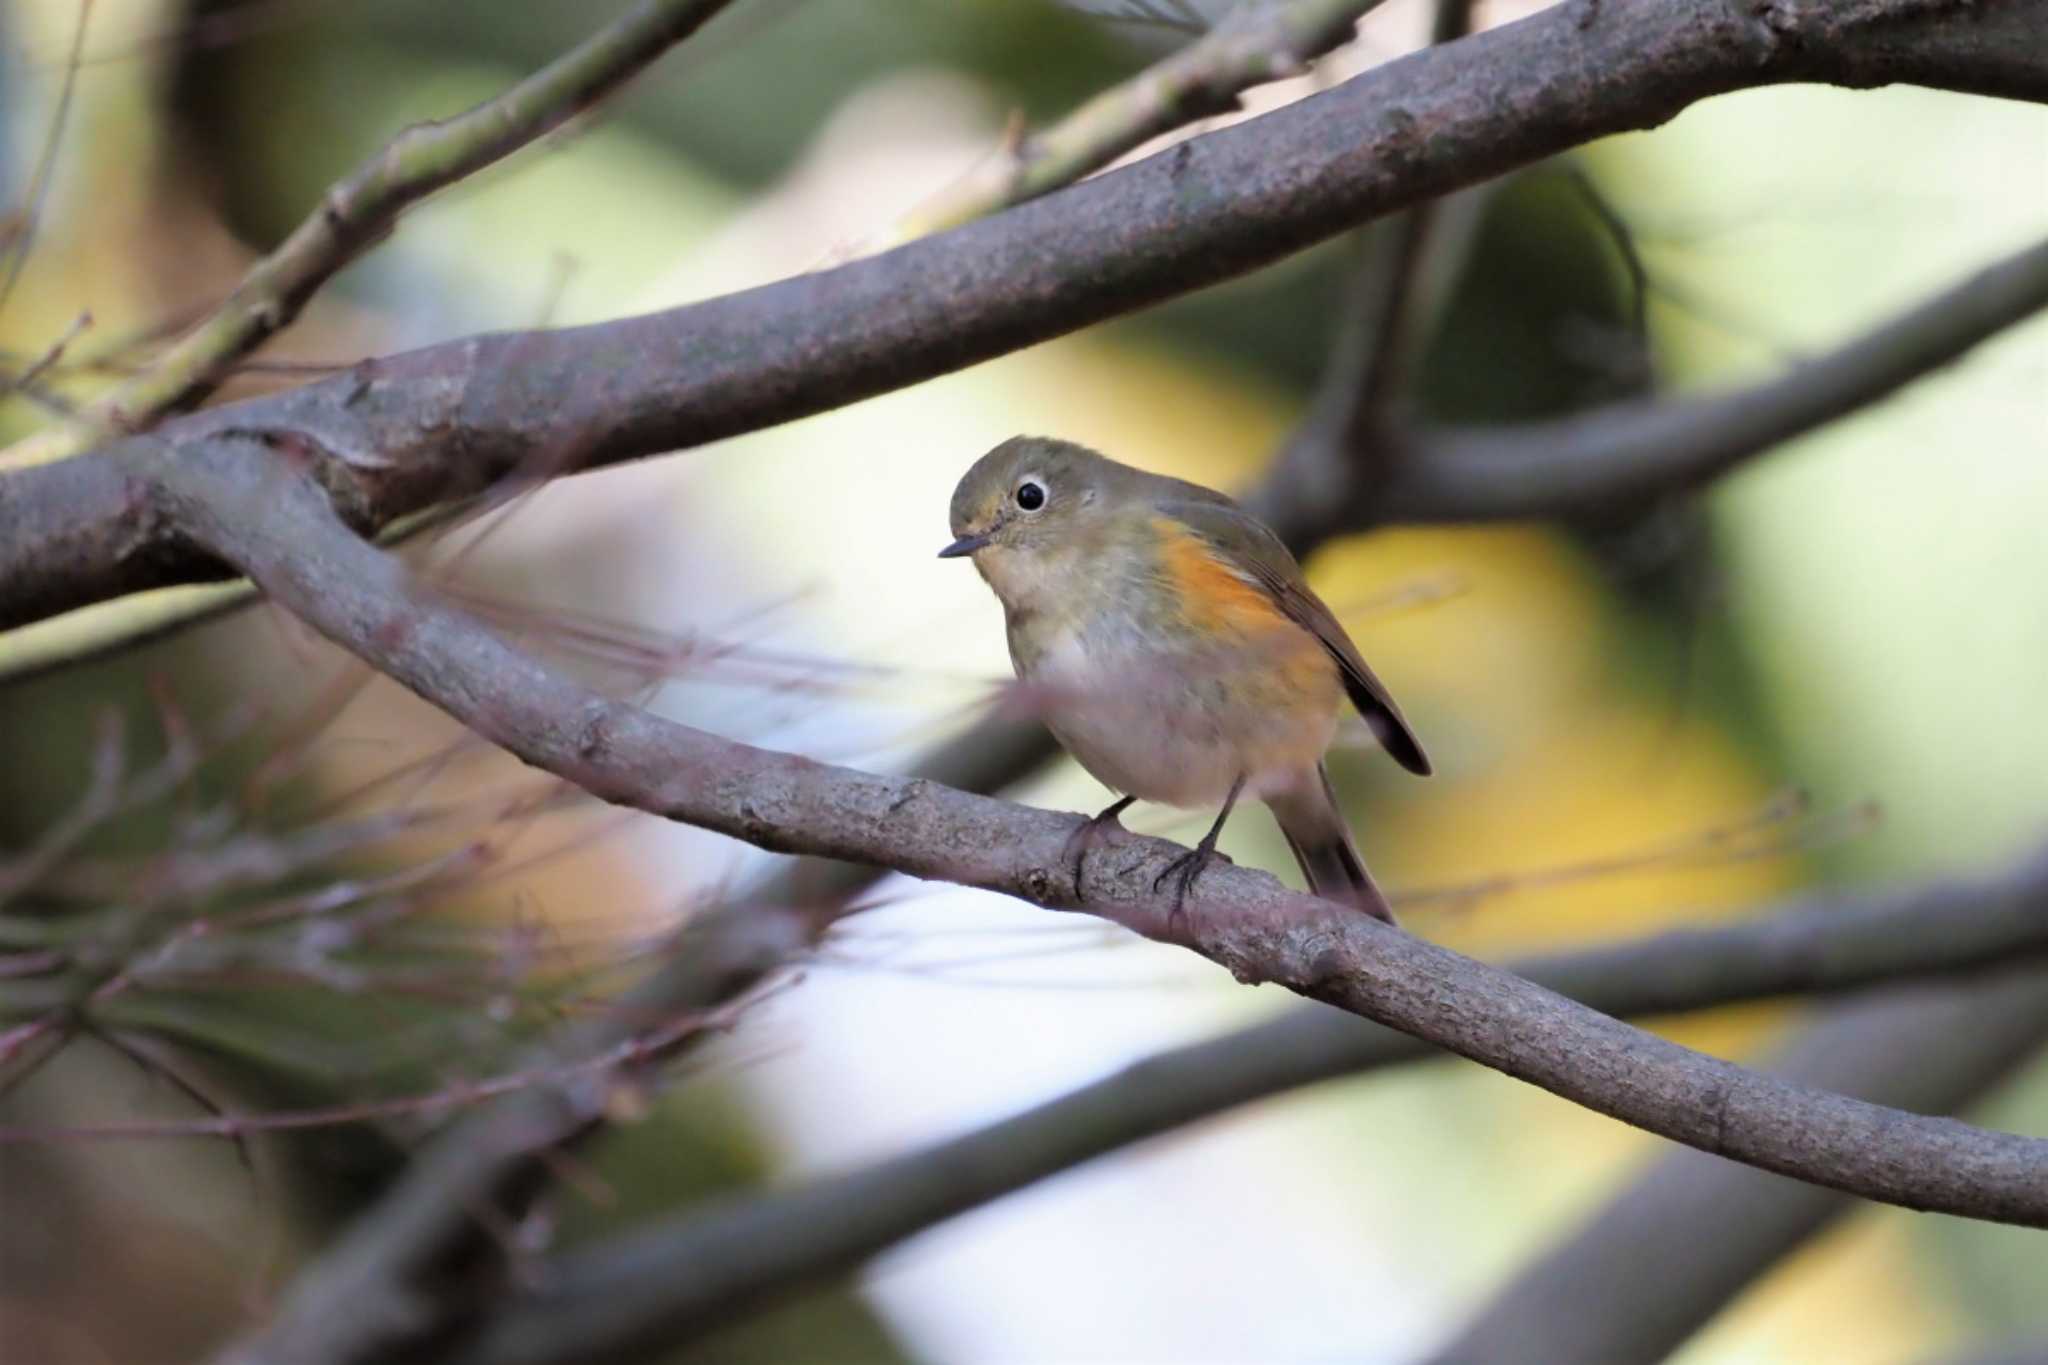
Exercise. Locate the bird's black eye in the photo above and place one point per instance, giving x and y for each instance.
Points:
(1030, 495)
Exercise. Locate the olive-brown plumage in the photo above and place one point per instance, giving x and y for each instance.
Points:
(1173, 645)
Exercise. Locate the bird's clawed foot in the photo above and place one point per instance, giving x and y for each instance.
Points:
(1183, 870)
(1083, 839)
(1189, 865)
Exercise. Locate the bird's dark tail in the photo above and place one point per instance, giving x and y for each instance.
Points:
(1315, 829)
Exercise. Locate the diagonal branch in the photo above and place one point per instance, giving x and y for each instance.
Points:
(663, 1284)
(1963, 1040)
(271, 521)
(398, 435)
(362, 207)
(1630, 451)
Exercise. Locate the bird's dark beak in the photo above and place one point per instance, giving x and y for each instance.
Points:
(966, 545)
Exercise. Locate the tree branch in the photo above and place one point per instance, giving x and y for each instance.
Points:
(362, 207)
(1962, 1040)
(660, 1286)
(397, 435)
(1629, 451)
(274, 523)
(1407, 264)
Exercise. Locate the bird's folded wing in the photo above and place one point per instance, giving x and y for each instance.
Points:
(1248, 548)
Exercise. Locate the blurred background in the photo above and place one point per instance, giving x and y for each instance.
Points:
(1830, 670)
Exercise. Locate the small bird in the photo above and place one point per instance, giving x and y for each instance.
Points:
(1174, 648)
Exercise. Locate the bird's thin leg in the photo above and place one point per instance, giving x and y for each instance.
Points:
(1189, 865)
(1083, 839)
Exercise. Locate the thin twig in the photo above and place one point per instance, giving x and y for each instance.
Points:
(28, 218)
(359, 209)
(1405, 269)
(1255, 42)
(41, 365)
(376, 1285)
(447, 1099)
(101, 800)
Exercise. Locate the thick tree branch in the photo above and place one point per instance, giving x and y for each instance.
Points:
(397, 435)
(273, 523)
(660, 1286)
(995, 753)
(361, 208)
(1962, 1041)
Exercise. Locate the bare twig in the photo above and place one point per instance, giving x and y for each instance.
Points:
(275, 524)
(101, 800)
(662, 1285)
(27, 219)
(1406, 267)
(399, 435)
(447, 1099)
(384, 1280)
(54, 352)
(1386, 292)
(1181, 15)
(359, 209)
(1255, 42)
(1623, 240)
